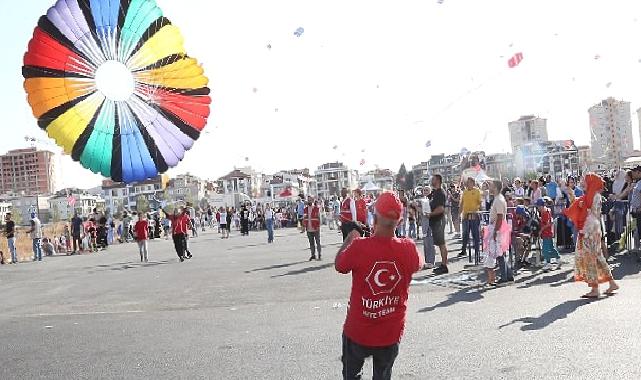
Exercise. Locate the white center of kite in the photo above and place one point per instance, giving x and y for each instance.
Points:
(115, 81)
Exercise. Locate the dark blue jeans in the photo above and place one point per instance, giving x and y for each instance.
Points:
(473, 226)
(354, 357)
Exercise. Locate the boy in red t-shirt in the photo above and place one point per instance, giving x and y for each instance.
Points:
(382, 268)
(142, 236)
(550, 253)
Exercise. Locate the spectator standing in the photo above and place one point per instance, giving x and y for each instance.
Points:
(381, 268)
(311, 223)
(77, 230)
(437, 220)
(635, 200)
(428, 241)
(590, 265)
(455, 209)
(550, 253)
(35, 232)
(471, 206)
(142, 237)
(269, 223)
(10, 234)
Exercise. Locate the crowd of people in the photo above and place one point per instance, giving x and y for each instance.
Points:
(510, 222)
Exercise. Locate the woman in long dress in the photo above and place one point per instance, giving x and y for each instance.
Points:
(590, 265)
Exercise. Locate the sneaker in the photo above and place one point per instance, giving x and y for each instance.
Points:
(462, 254)
(442, 269)
(312, 258)
(181, 259)
(547, 267)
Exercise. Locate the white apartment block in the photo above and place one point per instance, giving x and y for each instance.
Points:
(332, 177)
(526, 130)
(611, 132)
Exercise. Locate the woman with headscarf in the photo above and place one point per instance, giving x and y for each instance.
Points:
(585, 213)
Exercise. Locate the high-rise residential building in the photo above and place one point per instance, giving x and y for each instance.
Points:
(611, 132)
(27, 171)
(332, 177)
(526, 130)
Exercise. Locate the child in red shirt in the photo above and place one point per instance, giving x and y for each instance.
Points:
(550, 253)
(142, 236)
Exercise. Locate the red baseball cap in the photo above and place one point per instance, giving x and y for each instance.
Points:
(389, 206)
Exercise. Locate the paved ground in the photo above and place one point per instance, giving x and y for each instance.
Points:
(242, 309)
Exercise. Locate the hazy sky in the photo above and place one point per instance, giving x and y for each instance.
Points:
(383, 76)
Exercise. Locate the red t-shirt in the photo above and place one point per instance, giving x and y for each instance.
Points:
(361, 211)
(179, 223)
(381, 269)
(142, 229)
(546, 218)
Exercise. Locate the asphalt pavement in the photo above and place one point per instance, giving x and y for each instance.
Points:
(243, 309)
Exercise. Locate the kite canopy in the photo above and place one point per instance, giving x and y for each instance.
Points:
(111, 83)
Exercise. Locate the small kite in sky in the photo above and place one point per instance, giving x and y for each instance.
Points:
(607, 85)
(269, 46)
(428, 143)
(275, 109)
(362, 150)
(246, 159)
(515, 60)
(299, 32)
(335, 147)
(255, 90)
(597, 57)
(362, 162)
(440, 1)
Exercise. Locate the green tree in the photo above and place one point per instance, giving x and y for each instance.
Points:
(142, 204)
(401, 177)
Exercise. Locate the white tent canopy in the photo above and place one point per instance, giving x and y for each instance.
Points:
(370, 186)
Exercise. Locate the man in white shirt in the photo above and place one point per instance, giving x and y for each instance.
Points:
(36, 236)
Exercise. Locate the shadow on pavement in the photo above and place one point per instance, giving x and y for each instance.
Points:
(623, 266)
(305, 270)
(276, 266)
(463, 295)
(129, 265)
(554, 280)
(544, 320)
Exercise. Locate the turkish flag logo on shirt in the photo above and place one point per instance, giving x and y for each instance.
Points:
(383, 277)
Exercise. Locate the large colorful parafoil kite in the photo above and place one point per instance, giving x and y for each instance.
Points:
(111, 82)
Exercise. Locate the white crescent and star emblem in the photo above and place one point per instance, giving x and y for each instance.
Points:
(377, 280)
(383, 277)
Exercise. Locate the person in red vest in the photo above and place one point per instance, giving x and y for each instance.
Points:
(360, 204)
(311, 223)
(349, 216)
(382, 267)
